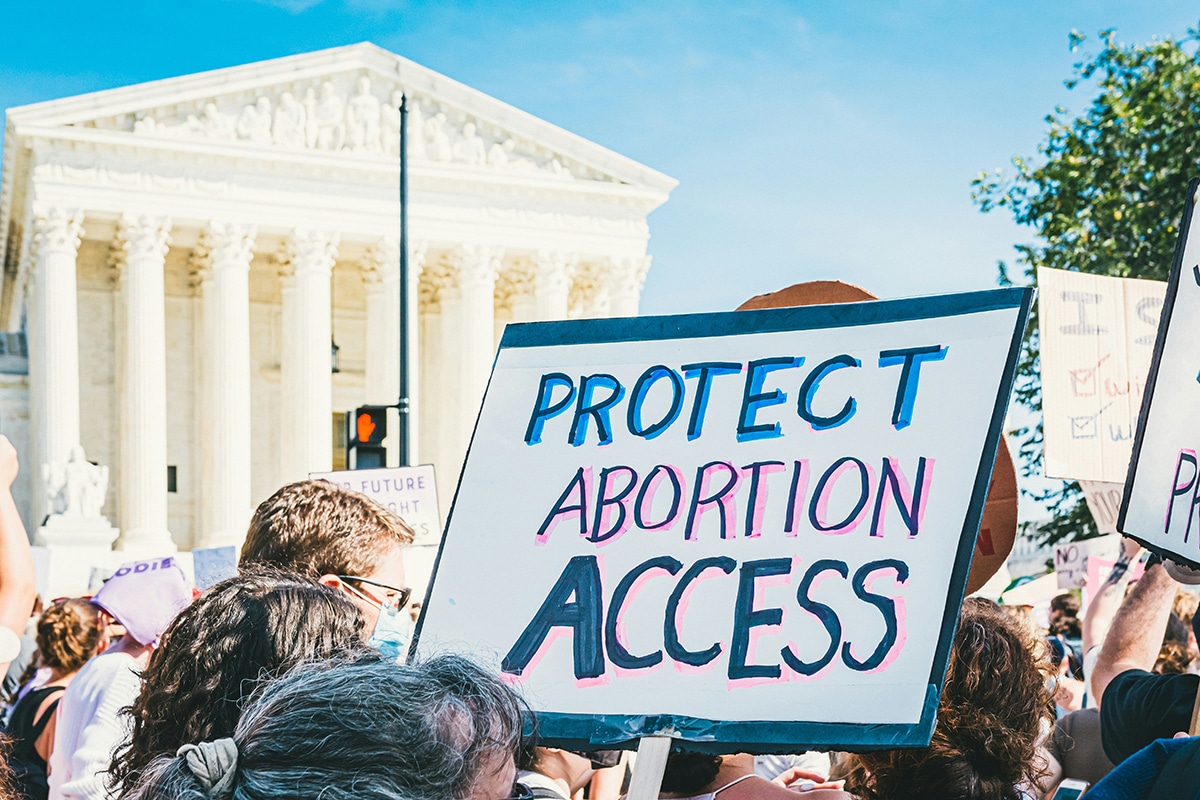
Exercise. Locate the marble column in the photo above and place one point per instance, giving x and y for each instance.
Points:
(477, 269)
(223, 259)
(307, 380)
(381, 276)
(53, 325)
(139, 254)
(625, 277)
(552, 283)
(380, 269)
(448, 391)
(430, 367)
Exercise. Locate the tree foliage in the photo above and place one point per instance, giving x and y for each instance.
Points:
(1104, 195)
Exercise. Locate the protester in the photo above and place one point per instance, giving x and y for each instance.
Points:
(1166, 769)
(697, 776)
(1074, 749)
(549, 772)
(994, 709)
(442, 729)
(342, 539)
(17, 589)
(1137, 706)
(68, 634)
(24, 664)
(1102, 608)
(143, 597)
(1064, 616)
(242, 631)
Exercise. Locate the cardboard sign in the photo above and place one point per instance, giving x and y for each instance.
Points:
(1097, 337)
(1162, 491)
(1099, 568)
(411, 492)
(751, 529)
(1071, 559)
(1104, 501)
(211, 565)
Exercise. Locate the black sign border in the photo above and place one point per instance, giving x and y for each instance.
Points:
(580, 731)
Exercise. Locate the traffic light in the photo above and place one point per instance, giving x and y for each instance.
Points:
(368, 429)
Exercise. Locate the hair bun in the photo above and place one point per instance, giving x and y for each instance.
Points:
(214, 764)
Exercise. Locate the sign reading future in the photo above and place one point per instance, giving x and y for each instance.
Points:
(1162, 490)
(748, 529)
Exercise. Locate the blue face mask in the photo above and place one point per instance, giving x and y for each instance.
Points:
(392, 633)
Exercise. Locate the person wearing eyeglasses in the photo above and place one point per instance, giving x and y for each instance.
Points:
(344, 540)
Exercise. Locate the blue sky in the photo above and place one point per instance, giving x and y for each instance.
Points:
(811, 139)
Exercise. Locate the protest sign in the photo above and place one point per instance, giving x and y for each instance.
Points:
(410, 492)
(211, 565)
(1099, 568)
(751, 530)
(1071, 559)
(1162, 490)
(1104, 501)
(1097, 336)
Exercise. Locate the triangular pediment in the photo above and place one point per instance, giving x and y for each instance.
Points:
(341, 101)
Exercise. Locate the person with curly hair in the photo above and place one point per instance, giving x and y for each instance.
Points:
(368, 729)
(994, 710)
(246, 629)
(68, 634)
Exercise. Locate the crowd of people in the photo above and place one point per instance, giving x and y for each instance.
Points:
(289, 681)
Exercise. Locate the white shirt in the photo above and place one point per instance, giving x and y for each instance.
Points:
(91, 726)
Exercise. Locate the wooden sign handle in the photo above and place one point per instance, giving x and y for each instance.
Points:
(1194, 728)
(648, 769)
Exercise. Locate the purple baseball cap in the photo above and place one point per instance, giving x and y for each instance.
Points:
(145, 596)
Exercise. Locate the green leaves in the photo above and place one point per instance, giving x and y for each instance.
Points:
(1103, 195)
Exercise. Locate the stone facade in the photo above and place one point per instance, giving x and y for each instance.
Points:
(181, 254)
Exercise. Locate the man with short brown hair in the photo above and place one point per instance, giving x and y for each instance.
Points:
(338, 537)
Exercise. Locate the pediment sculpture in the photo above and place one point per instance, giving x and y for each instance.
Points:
(324, 117)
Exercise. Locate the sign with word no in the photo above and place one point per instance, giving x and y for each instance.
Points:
(750, 529)
(1162, 492)
(1097, 336)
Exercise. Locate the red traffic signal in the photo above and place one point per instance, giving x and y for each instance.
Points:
(370, 425)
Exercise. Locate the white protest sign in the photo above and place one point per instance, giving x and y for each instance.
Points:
(753, 528)
(1104, 501)
(1097, 336)
(1162, 491)
(411, 493)
(1071, 559)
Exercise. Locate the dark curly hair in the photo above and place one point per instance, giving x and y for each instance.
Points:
(989, 721)
(208, 663)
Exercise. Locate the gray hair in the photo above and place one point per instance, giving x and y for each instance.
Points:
(365, 729)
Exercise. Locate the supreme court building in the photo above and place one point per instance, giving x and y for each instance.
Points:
(203, 272)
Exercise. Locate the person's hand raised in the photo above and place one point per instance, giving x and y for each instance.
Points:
(8, 462)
